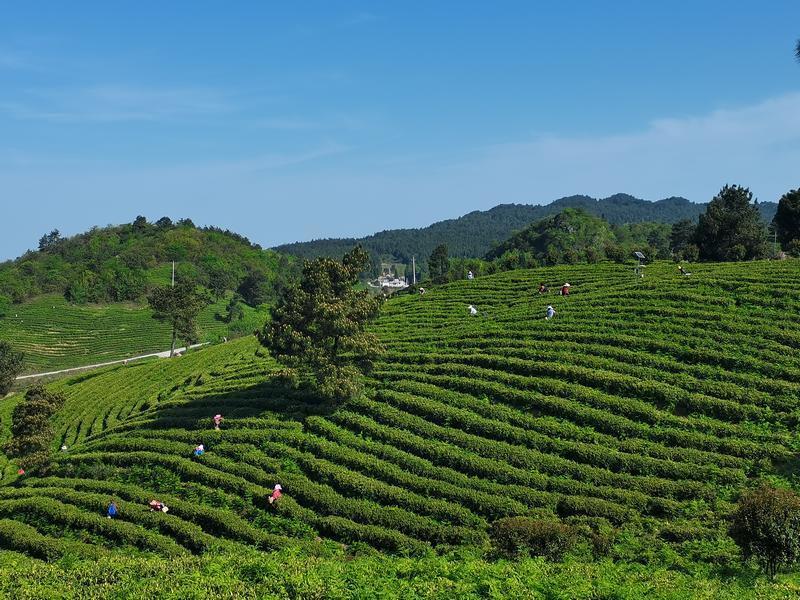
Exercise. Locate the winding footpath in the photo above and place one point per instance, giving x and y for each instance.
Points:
(164, 354)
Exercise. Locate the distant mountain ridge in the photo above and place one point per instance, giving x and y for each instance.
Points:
(475, 233)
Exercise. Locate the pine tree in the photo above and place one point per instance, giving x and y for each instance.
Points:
(439, 264)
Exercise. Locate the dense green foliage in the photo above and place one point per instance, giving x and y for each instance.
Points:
(474, 234)
(10, 366)
(319, 325)
(766, 525)
(31, 430)
(787, 218)
(121, 263)
(731, 228)
(515, 536)
(571, 236)
(635, 416)
(439, 264)
(336, 575)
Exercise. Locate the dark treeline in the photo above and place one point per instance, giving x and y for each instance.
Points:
(124, 262)
(731, 229)
(477, 233)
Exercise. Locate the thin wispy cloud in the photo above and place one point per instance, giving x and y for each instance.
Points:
(277, 197)
(110, 103)
(757, 145)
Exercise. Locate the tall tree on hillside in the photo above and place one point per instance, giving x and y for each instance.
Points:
(255, 289)
(681, 235)
(178, 306)
(49, 240)
(140, 224)
(681, 240)
(319, 324)
(787, 218)
(439, 264)
(731, 228)
(31, 431)
(10, 366)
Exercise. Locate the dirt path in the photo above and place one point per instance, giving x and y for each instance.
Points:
(164, 354)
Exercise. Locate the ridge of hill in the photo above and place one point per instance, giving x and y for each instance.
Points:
(81, 300)
(474, 234)
(638, 413)
(121, 263)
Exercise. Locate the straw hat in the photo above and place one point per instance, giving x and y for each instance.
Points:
(278, 486)
(567, 285)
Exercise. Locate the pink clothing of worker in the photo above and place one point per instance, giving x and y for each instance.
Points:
(276, 494)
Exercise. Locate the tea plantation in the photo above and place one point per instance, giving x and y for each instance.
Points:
(55, 334)
(638, 414)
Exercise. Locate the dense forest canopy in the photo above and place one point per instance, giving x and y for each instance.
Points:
(123, 262)
(570, 231)
(476, 233)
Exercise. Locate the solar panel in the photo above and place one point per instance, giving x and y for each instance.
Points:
(639, 255)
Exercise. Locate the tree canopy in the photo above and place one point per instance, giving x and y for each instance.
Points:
(178, 306)
(10, 366)
(319, 325)
(123, 262)
(731, 228)
(572, 235)
(439, 264)
(787, 218)
(476, 233)
(31, 431)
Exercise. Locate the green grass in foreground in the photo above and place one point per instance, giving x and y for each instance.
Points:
(294, 574)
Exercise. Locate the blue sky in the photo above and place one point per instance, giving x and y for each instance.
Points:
(289, 121)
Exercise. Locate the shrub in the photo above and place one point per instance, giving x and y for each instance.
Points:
(513, 536)
(10, 362)
(766, 526)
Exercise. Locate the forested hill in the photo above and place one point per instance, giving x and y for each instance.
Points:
(122, 263)
(475, 233)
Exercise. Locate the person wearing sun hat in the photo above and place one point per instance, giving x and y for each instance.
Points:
(565, 289)
(551, 312)
(276, 494)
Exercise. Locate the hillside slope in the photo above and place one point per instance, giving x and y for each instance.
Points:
(55, 334)
(473, 234)
(645, 405)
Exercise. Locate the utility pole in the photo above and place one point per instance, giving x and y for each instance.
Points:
(775, 248)
(173, 273)
(414, 269)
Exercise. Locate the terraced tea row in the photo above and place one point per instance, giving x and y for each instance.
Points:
(645, 403)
